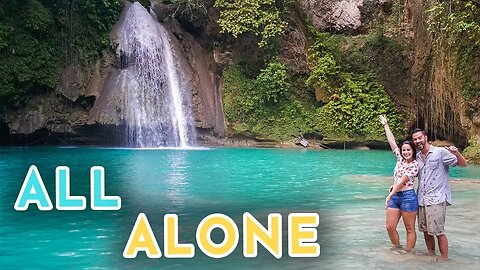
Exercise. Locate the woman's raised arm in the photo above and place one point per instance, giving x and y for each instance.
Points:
(388, 132)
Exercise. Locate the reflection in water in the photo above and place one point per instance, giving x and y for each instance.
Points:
(176, 179)
(163, 182)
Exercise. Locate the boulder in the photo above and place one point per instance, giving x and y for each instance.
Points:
(344, 16)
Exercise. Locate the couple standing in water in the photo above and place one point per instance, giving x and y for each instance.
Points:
(431, 165)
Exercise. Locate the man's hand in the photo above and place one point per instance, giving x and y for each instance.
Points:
(462, 162)
(452, 149)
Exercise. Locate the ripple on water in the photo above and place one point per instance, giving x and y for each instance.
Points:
(65, 254)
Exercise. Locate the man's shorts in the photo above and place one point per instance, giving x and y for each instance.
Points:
(406, 201)
(431, 218)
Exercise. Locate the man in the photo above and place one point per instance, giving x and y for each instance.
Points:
(434, 192)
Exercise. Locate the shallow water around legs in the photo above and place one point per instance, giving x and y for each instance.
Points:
(346, 188)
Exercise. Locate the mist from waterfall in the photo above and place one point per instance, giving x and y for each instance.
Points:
(155, 106)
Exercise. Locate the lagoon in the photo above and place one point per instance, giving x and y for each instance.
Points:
(346, 188)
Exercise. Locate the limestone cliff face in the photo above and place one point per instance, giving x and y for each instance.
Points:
(48, 111)
(439, 104)
(68, 108)
(419, 79)
(199, 79)
(89, 96)
(206, 84)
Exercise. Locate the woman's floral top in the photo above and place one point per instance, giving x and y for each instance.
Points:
(404, 168)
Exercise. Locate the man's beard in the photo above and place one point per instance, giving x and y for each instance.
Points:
(421, 145)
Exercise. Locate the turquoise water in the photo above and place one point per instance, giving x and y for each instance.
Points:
(346, 188)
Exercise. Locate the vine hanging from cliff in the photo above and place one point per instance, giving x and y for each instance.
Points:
(455, 29)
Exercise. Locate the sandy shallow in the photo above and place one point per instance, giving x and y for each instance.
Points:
(360, 239)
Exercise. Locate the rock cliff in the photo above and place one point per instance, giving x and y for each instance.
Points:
(419, 80)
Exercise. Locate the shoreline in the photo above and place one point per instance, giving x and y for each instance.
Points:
(249, 142)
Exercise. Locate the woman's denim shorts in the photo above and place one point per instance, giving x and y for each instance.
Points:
(406, 201)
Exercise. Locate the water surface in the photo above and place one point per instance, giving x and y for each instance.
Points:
(346, 188)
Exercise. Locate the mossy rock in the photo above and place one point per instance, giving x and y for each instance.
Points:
(472, 152)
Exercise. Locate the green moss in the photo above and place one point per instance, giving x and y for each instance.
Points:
(377, 41)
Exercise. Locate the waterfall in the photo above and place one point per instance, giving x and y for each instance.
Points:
(155, 105)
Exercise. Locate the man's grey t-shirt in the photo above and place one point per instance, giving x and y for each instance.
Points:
(433, 180)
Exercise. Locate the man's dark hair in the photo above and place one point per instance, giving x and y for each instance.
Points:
(418, 130)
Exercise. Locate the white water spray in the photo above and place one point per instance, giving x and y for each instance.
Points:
(156, 105)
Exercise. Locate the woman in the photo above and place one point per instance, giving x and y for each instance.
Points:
(402, 200)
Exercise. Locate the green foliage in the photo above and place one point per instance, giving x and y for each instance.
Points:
(4, 33)
(272, 83)
(260, 17)
(28, 50)
(328, 127)
(455, 19)
(325, 69)
(238, 100)
(356, 100)
(290, 119)
(86, 25)
(37, 18)
(264, 105)
(376, 40)
(356, 105)
(455, 26)
(40, 37)
(321, 58)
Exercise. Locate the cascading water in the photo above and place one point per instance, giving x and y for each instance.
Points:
(156, 105)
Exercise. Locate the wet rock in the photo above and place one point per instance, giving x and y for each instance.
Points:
(27, 122)
(162, 10)
(47, 111)
(206, 84)
(77, 81)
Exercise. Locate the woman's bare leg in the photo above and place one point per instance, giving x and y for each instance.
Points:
(393, 216)
(409, 222)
